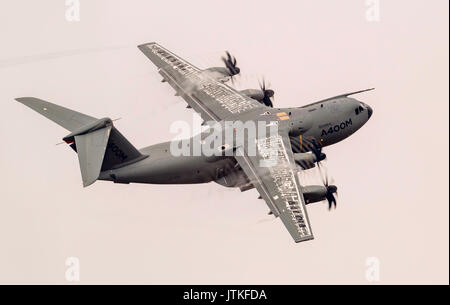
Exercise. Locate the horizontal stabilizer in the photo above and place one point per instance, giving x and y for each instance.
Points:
(69, 119)
(91, 151)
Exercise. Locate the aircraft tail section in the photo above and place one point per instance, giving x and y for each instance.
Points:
(120, 152)
(100, 146)
(69, 119)
(91, 149)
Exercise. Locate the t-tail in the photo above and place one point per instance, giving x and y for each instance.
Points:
(100, 146)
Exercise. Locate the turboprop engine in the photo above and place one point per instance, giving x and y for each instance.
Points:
(308, 160)
(316, 193)
(226, 73)
(263, 95)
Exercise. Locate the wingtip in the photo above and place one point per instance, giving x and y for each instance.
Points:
(145, 44)
(24, 99)
(311, 237)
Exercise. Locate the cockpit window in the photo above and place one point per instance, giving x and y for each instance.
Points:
(359, 110)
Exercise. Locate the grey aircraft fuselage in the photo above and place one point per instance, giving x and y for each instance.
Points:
(328, 121)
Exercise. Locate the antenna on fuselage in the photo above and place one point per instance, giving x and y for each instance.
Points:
(346, 95)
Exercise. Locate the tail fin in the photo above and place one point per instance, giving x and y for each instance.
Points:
(100, 146)
(91, 151)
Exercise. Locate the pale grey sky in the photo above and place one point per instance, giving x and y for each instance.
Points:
(392, 174)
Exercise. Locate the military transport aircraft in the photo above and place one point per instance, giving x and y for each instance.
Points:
(105, 154)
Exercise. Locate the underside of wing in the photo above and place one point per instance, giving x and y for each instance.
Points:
(277, 182)
(212, 99)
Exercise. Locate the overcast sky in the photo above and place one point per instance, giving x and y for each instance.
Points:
(392, 174)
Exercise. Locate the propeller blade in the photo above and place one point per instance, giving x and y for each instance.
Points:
(230, 63)
(229, 59)
(319, 167)
(267, 101)
(268, 93)
(331, 180)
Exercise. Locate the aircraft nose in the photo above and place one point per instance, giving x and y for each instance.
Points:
(370, 111)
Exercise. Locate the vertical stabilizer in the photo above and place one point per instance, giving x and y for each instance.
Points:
(91, 150)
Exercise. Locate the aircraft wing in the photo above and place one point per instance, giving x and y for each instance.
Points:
(212, 99)
(215, 101)
(278, 183)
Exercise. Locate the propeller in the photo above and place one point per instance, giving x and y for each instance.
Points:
(316, 149)
(230, 62)
(268, 94)
(331, 190)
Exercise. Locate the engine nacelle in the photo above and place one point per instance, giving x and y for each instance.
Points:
(305, 160)
(218, 73)
(314, 193)
(256, 94)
